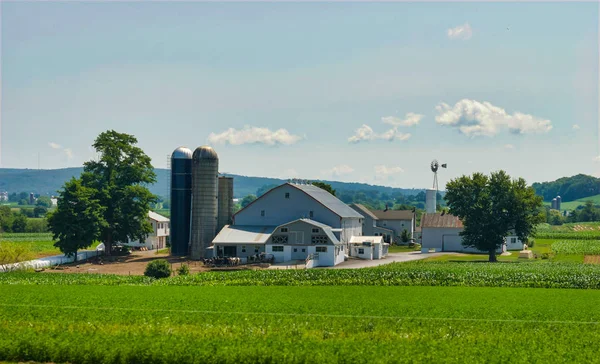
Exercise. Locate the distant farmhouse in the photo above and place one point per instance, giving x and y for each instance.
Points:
(158, 238)
(387, 223)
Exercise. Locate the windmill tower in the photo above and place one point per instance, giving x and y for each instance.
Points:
(431, 194)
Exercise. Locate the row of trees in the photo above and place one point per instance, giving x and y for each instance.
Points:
(586, 213)
(18, 222)
(109, 202)
(569, 188)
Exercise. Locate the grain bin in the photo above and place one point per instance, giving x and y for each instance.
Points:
(181, 200)
(558, 202)
(205, 175)
(225, 210)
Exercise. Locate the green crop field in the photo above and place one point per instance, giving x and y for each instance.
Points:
(515, 274)
(126, 324)
(37, 245)
(579, 247)
(579, 231)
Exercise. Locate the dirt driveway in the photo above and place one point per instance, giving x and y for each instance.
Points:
(390, 258)
(133, 264)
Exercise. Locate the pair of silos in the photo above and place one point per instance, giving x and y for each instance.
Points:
(201, 201)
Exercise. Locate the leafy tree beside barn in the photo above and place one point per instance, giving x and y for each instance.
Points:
(117, 183)
(491, 207)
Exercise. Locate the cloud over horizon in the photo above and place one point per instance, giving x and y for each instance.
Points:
(474, 118)
(410, 119)
(54, 145)
(462, 32)
(337, 171)
(365, 133)
(254, 135)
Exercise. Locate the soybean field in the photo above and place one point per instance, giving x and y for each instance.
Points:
(157, 324)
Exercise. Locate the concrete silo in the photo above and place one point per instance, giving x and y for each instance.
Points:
(554, 204)
(558, 201)
(225, 210)
(205, 175)
(430, 201)
(181, 200)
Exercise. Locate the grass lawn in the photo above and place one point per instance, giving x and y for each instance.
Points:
(403, 248)
(94, 324)
(38, 244)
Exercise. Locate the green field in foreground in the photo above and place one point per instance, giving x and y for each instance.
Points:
(37, 245)
(100, 324)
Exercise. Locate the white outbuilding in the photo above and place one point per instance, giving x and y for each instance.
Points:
(440, 233)
(368, 247)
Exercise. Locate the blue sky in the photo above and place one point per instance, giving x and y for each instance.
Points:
(300, 90)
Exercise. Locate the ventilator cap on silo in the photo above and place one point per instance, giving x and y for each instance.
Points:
(205, 152)
(181, 153)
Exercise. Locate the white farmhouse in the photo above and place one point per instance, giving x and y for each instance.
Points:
(293, 222)
(158, 238)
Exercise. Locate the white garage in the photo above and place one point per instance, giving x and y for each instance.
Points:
(441, 233)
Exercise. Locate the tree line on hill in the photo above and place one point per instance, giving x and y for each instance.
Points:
(569, 188)
(586, 213)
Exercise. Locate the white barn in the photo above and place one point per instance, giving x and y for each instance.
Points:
(368, 247)
(158, 238)
(293, 222)
(387, 223)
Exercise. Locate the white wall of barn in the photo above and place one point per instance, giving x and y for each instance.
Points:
(279, 210)
(398, 226)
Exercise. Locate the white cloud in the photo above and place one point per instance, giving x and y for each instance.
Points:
(386, 171)
(462, 32)
(597, 159)
(338, 170)
(68, 152)
(254, 135)
(474, 118)
(509, 146)
(576, 127)
(54, 145)
(366, 133)
(410, 119)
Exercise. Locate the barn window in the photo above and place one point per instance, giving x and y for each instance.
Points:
(513, 240)
(256, 248)
(310, 213)
(284, 230)
(287, 195)
(277, 248)
(318, 239)
(280, 239)
(321, 249)
(243, 248)
(262, 212)
(315, 230)
(361, 251)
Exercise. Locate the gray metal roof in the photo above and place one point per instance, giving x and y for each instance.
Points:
(440, 221)
(156, 217)
(182, 153)
(205, 152)
(328, 200)
(363, 210)
(243, 234)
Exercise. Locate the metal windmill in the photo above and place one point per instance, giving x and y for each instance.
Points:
(434, 168)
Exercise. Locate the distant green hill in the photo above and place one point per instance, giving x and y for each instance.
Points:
(572, 188)
(572, 205)
(47, 182)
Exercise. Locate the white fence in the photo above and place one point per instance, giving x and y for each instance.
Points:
(51, 261)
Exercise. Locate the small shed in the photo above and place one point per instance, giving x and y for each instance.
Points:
(368, 247)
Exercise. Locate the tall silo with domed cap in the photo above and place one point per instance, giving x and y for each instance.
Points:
(205, 182)
(181, 200)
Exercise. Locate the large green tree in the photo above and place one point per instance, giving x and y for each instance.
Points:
(119, 178)
(78, 219)
(491, 207)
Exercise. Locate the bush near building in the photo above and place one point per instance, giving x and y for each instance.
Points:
(159, 268)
